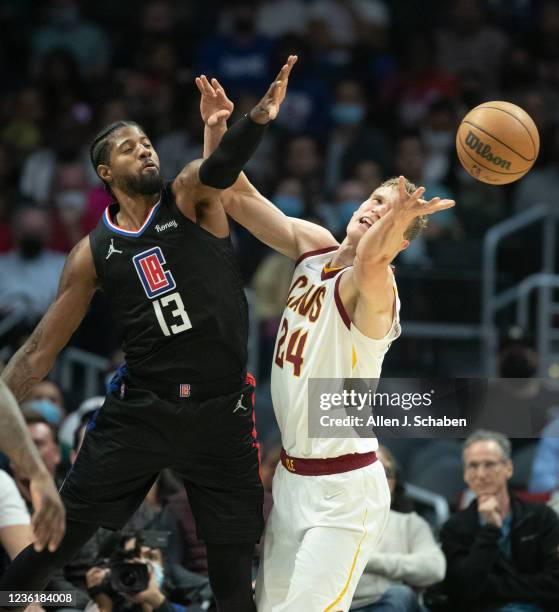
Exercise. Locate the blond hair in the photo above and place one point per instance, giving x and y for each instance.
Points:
(419, 223)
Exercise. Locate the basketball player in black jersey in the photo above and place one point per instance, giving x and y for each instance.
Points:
(163, 256)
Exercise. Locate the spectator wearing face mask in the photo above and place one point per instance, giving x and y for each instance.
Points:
(348, 196)
(353, 139)
(47, 400)
(30, 271)
(289, 197)
(438, 132)
(302, 160)
(151, 598)
(48, 390)
(160, 592)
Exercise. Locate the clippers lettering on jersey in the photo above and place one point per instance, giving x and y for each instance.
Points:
(309, 303)
(155, 279)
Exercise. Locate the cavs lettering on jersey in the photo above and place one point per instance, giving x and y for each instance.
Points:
(317, 339)
(177, 292)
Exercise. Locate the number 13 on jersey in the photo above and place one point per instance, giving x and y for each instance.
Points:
(157, 281)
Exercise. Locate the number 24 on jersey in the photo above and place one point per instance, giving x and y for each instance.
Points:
(293, 352)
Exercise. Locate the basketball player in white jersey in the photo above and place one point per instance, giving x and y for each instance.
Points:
(331, 499)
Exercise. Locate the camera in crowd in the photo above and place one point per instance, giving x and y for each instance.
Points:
(128, 575)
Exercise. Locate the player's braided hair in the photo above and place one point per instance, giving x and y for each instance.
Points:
(100, 148)
(419, 223)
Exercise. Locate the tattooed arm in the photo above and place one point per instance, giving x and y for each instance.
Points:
(36, 357)
(30, 365)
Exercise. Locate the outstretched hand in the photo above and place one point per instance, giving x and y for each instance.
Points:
(268, 108)
(413, 206)
(215, 106)
(49, 518)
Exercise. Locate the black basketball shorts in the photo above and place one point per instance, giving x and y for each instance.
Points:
(210, 443)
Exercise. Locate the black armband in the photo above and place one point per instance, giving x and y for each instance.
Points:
(237, 146)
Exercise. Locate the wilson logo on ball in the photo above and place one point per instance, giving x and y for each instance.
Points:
(484, 150)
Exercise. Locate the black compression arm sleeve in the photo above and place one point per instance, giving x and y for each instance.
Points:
(224, 165)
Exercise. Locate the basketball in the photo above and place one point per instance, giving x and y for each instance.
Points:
(497, 142)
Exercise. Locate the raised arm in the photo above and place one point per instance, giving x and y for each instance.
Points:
(201, 181)
(243, 202)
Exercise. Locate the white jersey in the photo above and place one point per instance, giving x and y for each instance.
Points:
(317, 339)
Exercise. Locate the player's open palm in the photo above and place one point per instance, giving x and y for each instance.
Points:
(268, 108)
(414, 206)
(215, 106)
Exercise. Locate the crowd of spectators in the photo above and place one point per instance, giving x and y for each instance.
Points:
(378, 90)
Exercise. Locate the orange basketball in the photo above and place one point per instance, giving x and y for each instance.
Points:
(497, 142)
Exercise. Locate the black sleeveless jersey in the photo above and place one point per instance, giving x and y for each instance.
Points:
(178, 293)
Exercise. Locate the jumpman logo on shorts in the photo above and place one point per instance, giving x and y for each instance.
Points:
(240, 406)
(112, 249)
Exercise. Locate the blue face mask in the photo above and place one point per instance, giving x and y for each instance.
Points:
(292, 206)
(159, 574)
(346, 210)
(47, 409)
(348, 114)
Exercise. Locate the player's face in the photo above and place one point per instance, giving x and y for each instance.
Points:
(134, 164)
(372, 209)
(486, 472)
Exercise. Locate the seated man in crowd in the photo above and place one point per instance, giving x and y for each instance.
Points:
(407, 558)
(502, 553)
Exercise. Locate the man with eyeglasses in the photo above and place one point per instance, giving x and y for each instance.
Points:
(502, 553)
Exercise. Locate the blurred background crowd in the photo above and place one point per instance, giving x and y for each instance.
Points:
(379, 89)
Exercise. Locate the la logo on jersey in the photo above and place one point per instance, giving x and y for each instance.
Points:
(155, 279)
